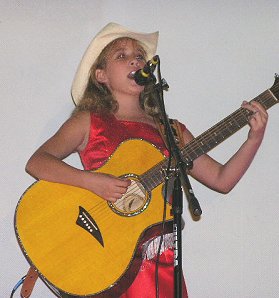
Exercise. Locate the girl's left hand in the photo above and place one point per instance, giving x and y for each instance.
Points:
(257, 121)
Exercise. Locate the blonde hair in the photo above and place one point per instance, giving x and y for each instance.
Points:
(97, 97)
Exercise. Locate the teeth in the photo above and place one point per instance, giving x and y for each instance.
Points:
(131, 75)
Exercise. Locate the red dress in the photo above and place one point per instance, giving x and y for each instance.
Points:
(106, 134)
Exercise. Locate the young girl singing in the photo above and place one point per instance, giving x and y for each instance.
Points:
(112, 108)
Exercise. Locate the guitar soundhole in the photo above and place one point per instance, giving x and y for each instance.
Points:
(134, 201)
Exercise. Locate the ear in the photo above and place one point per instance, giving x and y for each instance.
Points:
(100, 75)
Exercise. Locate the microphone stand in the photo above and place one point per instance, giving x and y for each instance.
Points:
(181, 178)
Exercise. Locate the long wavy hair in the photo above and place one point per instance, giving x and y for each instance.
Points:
(97, 97)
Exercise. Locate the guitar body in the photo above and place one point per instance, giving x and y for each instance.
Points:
(81, 244)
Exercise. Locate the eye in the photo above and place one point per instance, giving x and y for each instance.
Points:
(140, 57)
(121, 56)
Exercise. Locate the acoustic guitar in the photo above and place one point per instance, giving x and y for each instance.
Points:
(87, 247)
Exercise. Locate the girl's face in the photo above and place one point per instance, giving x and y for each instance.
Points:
(125, 56)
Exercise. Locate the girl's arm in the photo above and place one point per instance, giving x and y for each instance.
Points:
(223, 178)
(47, 162)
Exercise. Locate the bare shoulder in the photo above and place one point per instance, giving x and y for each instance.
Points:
(76, 123)
(81, 119)
(71, 136)
(78, 127)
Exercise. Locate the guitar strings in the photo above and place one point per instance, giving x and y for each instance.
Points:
(241, 118)
(238, 115)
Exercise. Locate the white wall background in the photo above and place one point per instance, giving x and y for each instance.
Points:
(214, 54)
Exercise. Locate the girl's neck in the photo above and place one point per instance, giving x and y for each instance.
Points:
(129, 109)
(127, 112)
(129, 106)
(137, 115)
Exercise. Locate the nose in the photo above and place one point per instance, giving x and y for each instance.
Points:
(134, 62)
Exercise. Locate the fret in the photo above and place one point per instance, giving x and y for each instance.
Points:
(212, 137)
(153, 177)
(198, 150)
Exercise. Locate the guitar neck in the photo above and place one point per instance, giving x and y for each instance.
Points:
(213, 136)
(227, 127)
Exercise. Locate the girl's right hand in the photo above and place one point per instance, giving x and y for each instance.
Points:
(107, 186)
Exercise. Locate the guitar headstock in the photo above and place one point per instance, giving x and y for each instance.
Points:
(276, 76)
(275, 87)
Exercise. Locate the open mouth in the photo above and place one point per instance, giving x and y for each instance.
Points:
(131, 75)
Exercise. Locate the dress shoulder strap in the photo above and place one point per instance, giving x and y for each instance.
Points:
(176, 128)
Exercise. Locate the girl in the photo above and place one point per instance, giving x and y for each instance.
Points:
(111, 108)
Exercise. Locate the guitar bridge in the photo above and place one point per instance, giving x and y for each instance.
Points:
(86, 222)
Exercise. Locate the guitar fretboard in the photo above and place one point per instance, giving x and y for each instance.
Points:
(212, 137)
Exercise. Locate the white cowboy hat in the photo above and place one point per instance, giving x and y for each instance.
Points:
(109, 33)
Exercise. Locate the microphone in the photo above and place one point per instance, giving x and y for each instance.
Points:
(145, 75)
